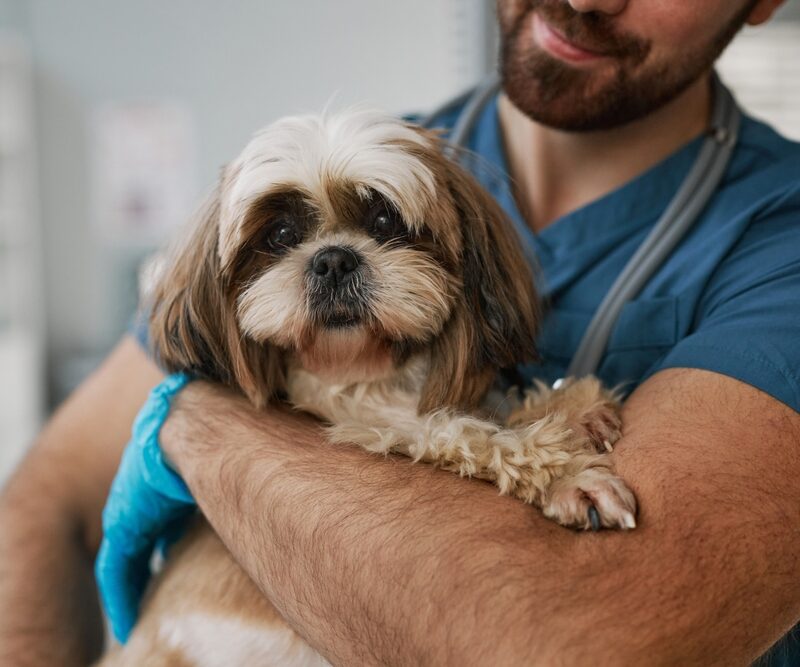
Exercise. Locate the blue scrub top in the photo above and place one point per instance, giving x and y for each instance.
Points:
(726, 300)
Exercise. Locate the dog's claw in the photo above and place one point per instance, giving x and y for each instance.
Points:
(594, 518)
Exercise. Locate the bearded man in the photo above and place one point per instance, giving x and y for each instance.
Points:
(376, 561)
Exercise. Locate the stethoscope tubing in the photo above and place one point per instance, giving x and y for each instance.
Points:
(692, 197)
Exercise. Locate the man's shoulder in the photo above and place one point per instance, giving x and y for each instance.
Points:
(758, 205)
(762, 185)
(762, 147)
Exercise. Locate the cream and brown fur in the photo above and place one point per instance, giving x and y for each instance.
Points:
(345, 264)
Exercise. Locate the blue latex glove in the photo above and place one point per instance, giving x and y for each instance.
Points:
(148, 502)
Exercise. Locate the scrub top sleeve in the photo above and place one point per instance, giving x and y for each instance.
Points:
(747, 325)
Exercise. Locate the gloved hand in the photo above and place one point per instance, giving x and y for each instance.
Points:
(148, 502)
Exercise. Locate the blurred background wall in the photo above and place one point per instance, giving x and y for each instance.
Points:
(181, 85)
(116, 116)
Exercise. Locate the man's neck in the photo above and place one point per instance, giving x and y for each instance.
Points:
(557, 172)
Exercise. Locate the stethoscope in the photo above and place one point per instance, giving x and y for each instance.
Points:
(683, 210)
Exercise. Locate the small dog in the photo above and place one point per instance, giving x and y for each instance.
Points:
(346, 264)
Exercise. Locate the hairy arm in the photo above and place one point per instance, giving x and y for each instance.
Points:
(50, 518)
(379, 561)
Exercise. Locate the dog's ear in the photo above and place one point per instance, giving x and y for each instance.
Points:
(193, 325)
(494, 321)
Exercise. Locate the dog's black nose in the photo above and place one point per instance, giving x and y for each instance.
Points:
(334, 265)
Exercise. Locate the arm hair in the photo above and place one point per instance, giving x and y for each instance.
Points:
(50, 518)
(380, 561)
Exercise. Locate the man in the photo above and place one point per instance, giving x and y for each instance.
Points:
(384, 562)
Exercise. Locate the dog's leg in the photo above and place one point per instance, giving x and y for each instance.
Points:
(543, 463)
(589, 408)
(588, 494)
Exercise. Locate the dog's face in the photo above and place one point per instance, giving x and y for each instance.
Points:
(351, 243)
(347, 257)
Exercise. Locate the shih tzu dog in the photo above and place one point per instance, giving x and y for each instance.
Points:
(346, 264)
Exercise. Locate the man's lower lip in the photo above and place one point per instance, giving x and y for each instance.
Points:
(552, 42)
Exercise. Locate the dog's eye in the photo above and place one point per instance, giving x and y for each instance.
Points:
(283, 235)
(384, 223)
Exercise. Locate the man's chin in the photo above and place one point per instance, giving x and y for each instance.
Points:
(561, 99)
(571, 99)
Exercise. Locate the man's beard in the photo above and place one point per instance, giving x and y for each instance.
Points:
(627, 87)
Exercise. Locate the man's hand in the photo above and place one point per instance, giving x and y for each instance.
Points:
(148, 503)
(50, 518)
(380, 561)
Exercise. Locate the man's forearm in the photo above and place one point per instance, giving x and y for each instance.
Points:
(50, 518)
(373, 561)
(386, 562)
(49, 613)
(381, 561)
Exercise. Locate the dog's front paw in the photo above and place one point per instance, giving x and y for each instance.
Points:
(591, 411)
(591, 499)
